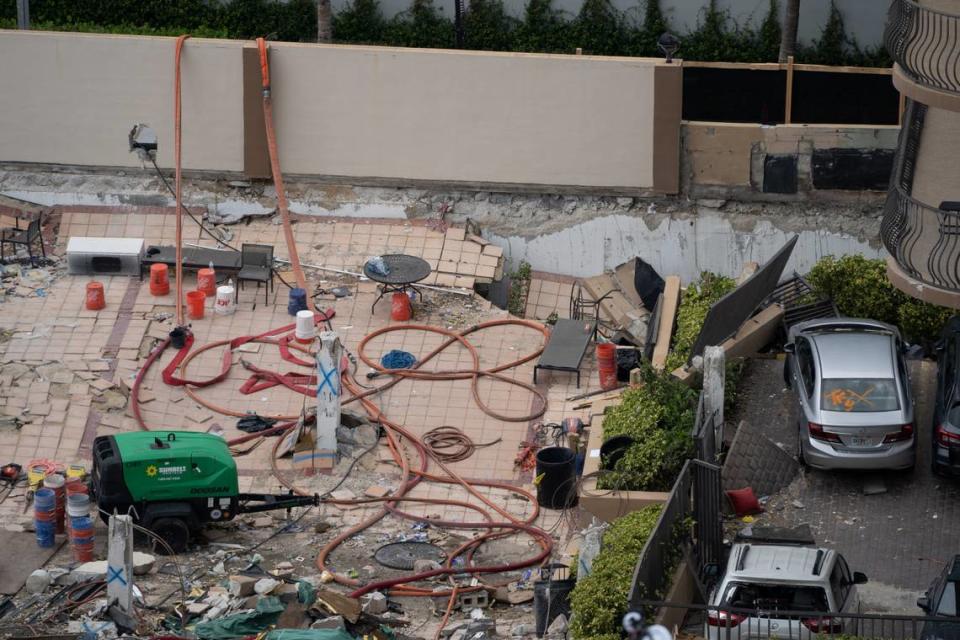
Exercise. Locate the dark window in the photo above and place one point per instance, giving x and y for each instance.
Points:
(775, 597)
(840, 582)
(805, 365)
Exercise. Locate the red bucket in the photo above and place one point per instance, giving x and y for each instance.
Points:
(400, 310)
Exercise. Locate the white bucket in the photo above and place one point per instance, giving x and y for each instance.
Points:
(305, 331)
(224, 303)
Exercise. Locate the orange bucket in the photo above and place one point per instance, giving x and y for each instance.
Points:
(95, 298)
(607, 364)
(195, 302)
(159, 280)
(400, 309)
(207, 282)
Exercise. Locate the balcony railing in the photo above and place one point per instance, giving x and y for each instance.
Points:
(925, 43)
(924, 240)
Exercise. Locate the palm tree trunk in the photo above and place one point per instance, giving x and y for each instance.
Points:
(324, 21)
(788, 35)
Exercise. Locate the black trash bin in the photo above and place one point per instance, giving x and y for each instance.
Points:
(550, 599)
(557, 472)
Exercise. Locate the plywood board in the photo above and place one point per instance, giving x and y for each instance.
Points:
(19, 557)
(668, 316)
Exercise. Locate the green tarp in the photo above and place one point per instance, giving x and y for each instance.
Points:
(249, 623)
(308, 634)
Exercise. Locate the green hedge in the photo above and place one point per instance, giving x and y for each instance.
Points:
(598, 28)
(599, 600)
(658, 415)
(860, 288)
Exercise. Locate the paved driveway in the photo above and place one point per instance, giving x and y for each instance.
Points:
(900, 538)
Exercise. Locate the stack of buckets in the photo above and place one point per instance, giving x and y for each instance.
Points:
(45, 517)
(607, 364)
(55, 482)
(80, 522)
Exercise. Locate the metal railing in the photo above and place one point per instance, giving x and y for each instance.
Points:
(733, 623)
(695, 495)
(704, 434)
(925, 43)
(924, 240)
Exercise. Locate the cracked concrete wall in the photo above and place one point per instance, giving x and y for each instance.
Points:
(567, 234)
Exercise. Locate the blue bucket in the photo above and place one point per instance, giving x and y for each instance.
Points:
(298, 301)
(44, 500)
(46, 533)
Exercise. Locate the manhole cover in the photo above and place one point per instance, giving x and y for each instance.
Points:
(402, 555)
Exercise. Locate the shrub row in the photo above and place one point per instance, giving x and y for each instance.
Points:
(599, 600)
(599, 27)
(860, 288)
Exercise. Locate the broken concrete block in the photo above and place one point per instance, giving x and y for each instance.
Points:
(197, 608)
(282, 569)
(333, 622)
(264, 586)
(374, 603)
(241, 586)
(288, 593)
(38, 581)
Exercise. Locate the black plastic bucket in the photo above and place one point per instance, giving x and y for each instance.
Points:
(550, 599)
(613, 449)
(557, 471)
(178, 338)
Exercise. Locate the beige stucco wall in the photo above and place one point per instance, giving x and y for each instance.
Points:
(364, 112)
(72, 99)
(484, 117)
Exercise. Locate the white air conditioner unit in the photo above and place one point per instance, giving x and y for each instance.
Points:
(104, 256)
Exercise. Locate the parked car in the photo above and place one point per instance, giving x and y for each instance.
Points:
(785, 592)
(946, 407)
(941, 600)
(854, 403)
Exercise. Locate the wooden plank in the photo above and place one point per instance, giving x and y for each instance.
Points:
(668, 316)
(788, 109)
(753, 335)
(775, 66)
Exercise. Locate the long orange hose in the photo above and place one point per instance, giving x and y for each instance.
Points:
(277, 175)
(178, 269)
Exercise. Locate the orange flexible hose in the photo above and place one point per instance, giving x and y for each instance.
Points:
(275, 169)
(177, 130)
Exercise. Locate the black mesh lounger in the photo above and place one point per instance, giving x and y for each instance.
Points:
(566, 347)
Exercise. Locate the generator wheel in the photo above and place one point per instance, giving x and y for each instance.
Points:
(174, 532)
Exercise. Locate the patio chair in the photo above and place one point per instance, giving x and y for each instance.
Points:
(256, 265)
(25, 237)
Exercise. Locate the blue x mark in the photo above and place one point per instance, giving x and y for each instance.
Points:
(115, 574)
(328, 380)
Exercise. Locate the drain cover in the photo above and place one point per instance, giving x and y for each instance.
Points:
(402, 555)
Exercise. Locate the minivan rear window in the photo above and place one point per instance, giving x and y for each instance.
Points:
(859, 395)
(766, 598)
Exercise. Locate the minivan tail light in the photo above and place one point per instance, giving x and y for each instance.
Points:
(817, 433)
(823, 625)
(905, 433)
(724, 619)
(947, 438)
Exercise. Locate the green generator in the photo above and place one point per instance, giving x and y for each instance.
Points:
(175, 482)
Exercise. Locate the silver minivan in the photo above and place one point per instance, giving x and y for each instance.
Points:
(855, 407)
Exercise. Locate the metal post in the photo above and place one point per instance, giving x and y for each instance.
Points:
(459, 11)
(714, 367)
(120, 563)
(23, 14)
(328, 391)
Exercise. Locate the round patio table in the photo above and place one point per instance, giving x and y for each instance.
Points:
(404, 272)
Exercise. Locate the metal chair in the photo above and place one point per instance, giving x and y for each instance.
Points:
(25, 237)
(256, 265)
